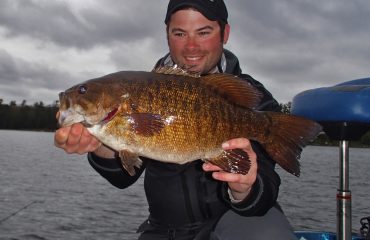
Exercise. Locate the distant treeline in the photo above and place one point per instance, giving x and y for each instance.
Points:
(39, 117)
(25, 117)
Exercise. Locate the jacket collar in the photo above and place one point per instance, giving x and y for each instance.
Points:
(228, 63)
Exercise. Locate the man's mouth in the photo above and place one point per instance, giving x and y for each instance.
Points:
(193, 58)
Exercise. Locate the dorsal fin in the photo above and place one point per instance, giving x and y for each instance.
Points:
(176, 70)
(234, 89)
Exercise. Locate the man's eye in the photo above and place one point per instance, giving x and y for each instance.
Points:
(179, 34)
(204, 33)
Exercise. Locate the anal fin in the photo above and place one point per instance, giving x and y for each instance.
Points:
(129, 161)
(233, 161)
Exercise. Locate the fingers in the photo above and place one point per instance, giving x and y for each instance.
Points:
(61, 136)
(229, 177)
(75, 135)
(241, 143)
(94, 145)
(239, 184)
(75, 139)
(220, 175)
(88, 143)
(245, 145)
(209, 167)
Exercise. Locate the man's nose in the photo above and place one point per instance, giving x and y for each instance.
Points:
(191, 42)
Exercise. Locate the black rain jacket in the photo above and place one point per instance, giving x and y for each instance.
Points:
(185, 195)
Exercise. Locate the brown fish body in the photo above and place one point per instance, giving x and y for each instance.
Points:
(180, 118)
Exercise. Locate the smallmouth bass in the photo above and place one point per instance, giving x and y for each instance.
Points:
(173, 116)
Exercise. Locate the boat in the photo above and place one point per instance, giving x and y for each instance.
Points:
(318, 235)
(343, 110)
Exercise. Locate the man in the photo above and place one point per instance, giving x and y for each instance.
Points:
(196, 200)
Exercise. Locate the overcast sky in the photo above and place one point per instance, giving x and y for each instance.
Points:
(289, 45)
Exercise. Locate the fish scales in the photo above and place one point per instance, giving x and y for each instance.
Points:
(179, 117)
(191, 121)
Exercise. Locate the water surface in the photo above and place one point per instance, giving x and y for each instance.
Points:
(47, 194)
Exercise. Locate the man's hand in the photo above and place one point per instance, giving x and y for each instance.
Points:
(240, 185)
(76, 139)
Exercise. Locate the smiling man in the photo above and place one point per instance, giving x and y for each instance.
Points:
(193, 40)
(197, 200)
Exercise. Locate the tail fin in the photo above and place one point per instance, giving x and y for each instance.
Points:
(288, 135)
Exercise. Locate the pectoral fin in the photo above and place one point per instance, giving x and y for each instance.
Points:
(146, 124)
(129, 161)
(234, 161)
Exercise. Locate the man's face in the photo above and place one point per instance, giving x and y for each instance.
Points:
(194, 41)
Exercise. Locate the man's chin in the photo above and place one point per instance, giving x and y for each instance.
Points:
(192, 68)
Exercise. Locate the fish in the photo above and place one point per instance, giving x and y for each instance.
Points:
(173, 115)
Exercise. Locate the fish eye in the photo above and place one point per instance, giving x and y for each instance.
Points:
(82, 89)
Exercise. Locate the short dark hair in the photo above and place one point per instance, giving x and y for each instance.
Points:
(221, 23)
(214, 10)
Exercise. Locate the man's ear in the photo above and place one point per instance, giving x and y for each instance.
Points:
(226, 33)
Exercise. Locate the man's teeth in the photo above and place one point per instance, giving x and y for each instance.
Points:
(192, 58)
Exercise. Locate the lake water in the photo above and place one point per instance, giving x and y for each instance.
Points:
(47, 194)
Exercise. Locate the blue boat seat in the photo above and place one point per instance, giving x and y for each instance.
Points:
(343, 110)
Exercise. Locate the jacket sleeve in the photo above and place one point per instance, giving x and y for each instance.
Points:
(113, 172)
(264, 192)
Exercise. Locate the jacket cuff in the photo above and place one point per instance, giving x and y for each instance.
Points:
(105, 164)
(252, 199)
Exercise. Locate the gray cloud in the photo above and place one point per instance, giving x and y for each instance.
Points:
(289, 46)
(57, 22)
(8, 68)
(17, 71)
(20, 79)
(293, 45)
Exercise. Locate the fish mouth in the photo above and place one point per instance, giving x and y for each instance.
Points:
(69, 117)
(110, 115)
